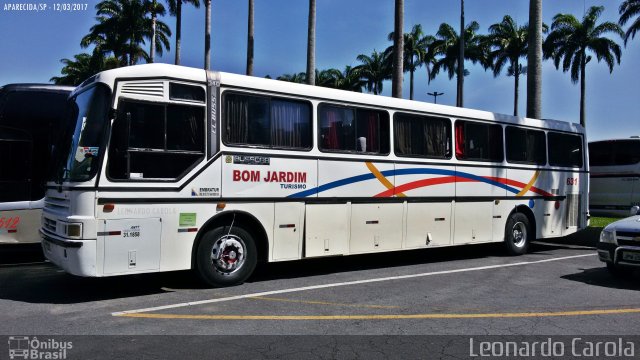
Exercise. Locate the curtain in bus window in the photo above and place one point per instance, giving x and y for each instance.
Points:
(237, 119)
(331, 124)
(290, 124)
(403, 136)
(436, 132)
(367, 138)
(460, 154)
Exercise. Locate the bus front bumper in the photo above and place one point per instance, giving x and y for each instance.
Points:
(77, 257)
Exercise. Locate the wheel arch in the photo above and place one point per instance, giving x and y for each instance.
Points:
(240, 218)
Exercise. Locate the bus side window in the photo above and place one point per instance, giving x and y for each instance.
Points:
(15, 174)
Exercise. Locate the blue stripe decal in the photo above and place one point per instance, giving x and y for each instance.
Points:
(414, 171)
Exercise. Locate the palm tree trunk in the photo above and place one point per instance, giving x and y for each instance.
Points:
(411, 80)
(460, 85)
(398, 49)
(207, 36)
(152, 51)
(311, 44)
(250, 40)
(583, 93)
(534, 59)
(516, 75)
(178, 29)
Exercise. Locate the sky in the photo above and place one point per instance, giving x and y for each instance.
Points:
(34, 42)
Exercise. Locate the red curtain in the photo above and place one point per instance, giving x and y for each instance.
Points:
(460, 140)
(372, 133)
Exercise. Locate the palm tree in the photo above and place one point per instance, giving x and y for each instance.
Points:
(349, 79)
(570, 40)
(82, 67)
(311, 43)
(627, 10)
(374, 70)
(446, 50)
(327, 77)
(160, 32)
(207, 35)
(415, 51)
(508, 42)
(398, 49)
(175, 9)
(250, 40)
(121, 29)
(461, 46)
(299, 78)
(534, 61)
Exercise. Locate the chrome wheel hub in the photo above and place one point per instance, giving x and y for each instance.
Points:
(228, 254)
(519, 232)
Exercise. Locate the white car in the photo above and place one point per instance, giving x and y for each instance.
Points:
(619, 245)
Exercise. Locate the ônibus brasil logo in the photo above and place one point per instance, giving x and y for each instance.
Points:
(31, 348)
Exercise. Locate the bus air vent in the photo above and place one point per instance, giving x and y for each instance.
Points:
(147, 88)
(573, 209)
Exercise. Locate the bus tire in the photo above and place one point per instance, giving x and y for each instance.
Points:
(517, 234)
(226, 257)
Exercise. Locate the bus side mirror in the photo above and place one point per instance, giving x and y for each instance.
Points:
(635, 210)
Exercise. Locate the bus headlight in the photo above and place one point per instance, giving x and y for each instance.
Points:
(606, 236)
(74, 230)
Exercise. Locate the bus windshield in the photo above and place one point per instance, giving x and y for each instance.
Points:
(89, 111)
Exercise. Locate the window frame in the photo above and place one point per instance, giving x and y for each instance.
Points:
(489, 124)
(201, 102)
(269, 97)
(355, 119)
(582, 159)
(506, 147)
(450, 142)
(164, 105)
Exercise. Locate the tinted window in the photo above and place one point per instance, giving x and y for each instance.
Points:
(15, 177)
(155, 141)
(422, 136)
(565, 150)
(186, 92)
(478, 141)
(44, 125)
(526, 146)
(266, 122)
(614, 152)
(601, 153)
(353, 129)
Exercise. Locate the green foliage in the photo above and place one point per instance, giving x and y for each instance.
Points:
(628, 9)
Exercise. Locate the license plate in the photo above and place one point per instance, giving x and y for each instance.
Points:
(631, 256)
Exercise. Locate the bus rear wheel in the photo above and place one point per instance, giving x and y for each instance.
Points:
(226, 256)
(517, 234)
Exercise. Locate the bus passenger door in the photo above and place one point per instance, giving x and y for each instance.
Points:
(131, 245)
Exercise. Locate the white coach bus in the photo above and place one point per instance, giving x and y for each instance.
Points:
(177, 168)
(31, 120)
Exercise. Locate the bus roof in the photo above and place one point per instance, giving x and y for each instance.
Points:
(36, 87)
(275, 86)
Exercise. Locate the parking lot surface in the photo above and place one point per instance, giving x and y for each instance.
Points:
(556, 289)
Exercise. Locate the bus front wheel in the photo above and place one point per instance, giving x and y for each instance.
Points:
(226, 256)
(517, 234)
